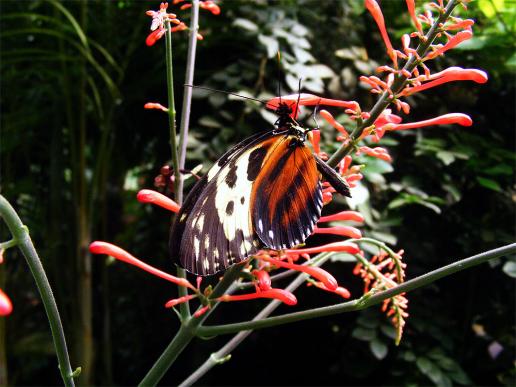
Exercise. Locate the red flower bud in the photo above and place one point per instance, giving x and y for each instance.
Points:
(150, 196)
(201, 311)
(179, 300)
(154, 105)
(348, 231)
(154, 36)
(454, 41)
(6, 307)
(263, 279)
(278, 294)
(331, 120)
(344, 215)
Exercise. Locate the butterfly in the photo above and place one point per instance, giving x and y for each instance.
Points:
(265, 192)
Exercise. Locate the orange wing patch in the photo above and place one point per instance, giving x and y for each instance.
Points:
(286, 196)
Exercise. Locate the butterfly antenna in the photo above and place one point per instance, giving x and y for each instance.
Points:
(227, 92)
(298, 97)
(279, 76)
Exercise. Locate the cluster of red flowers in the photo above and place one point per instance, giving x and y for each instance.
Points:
(161, 19)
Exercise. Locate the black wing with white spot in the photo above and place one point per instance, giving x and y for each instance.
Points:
(213, 230)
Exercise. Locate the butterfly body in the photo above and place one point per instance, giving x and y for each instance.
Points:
(263, 193)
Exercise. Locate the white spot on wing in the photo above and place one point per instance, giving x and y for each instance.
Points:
(260, 225)
(271, 234)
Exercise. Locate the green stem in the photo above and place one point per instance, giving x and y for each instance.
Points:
(181, 273)
(398, 85)
(21, 235)
(363, 302)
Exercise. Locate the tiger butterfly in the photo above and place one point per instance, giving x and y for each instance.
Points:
(265, 192)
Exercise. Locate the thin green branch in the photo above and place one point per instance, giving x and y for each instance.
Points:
(364, 302)
(181, 273)
(397, 86)
(21, 235)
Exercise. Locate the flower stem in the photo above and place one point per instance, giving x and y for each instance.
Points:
(183, 130)
(362, 303)
(20, 233)
(182, 291)
(187, 92)
(398, 85)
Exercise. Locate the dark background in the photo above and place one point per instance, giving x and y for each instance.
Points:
(76, 145)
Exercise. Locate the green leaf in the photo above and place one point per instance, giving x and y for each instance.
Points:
(364, 334)
(490, 7)
(384, 237)
(270, 44)
(389, 331)
(488, 183)
(245, 24)
(509, 268)
(409, 356)
(424, 365)
(342, 257)
(378, 348)
(209, 122)
(446, 157)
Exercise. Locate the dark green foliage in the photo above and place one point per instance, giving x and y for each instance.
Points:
(448, 194)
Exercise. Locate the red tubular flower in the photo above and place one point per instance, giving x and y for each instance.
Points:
(378, 152)
(315, 138)
(348, 231)
(322, 275)
(454, 41)
(150, 196)
(155, 105)
(201, 311)
(99, 247)
(460, 25)
(328, 117)
(210, 6)
(344, 215)
(411, 6)
(6, 307)
(343, 292)
(449, 75)
(308, 100)
(446, 119)
(375, 10)
(180, 27)
(263, 279)
(278, 294)
(154, 36)
(180, 300)
(344, 246)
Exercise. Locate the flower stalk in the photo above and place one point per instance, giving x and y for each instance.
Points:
(21, 235)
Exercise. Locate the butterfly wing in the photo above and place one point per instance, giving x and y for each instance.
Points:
(287, 195)
(213, 230)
